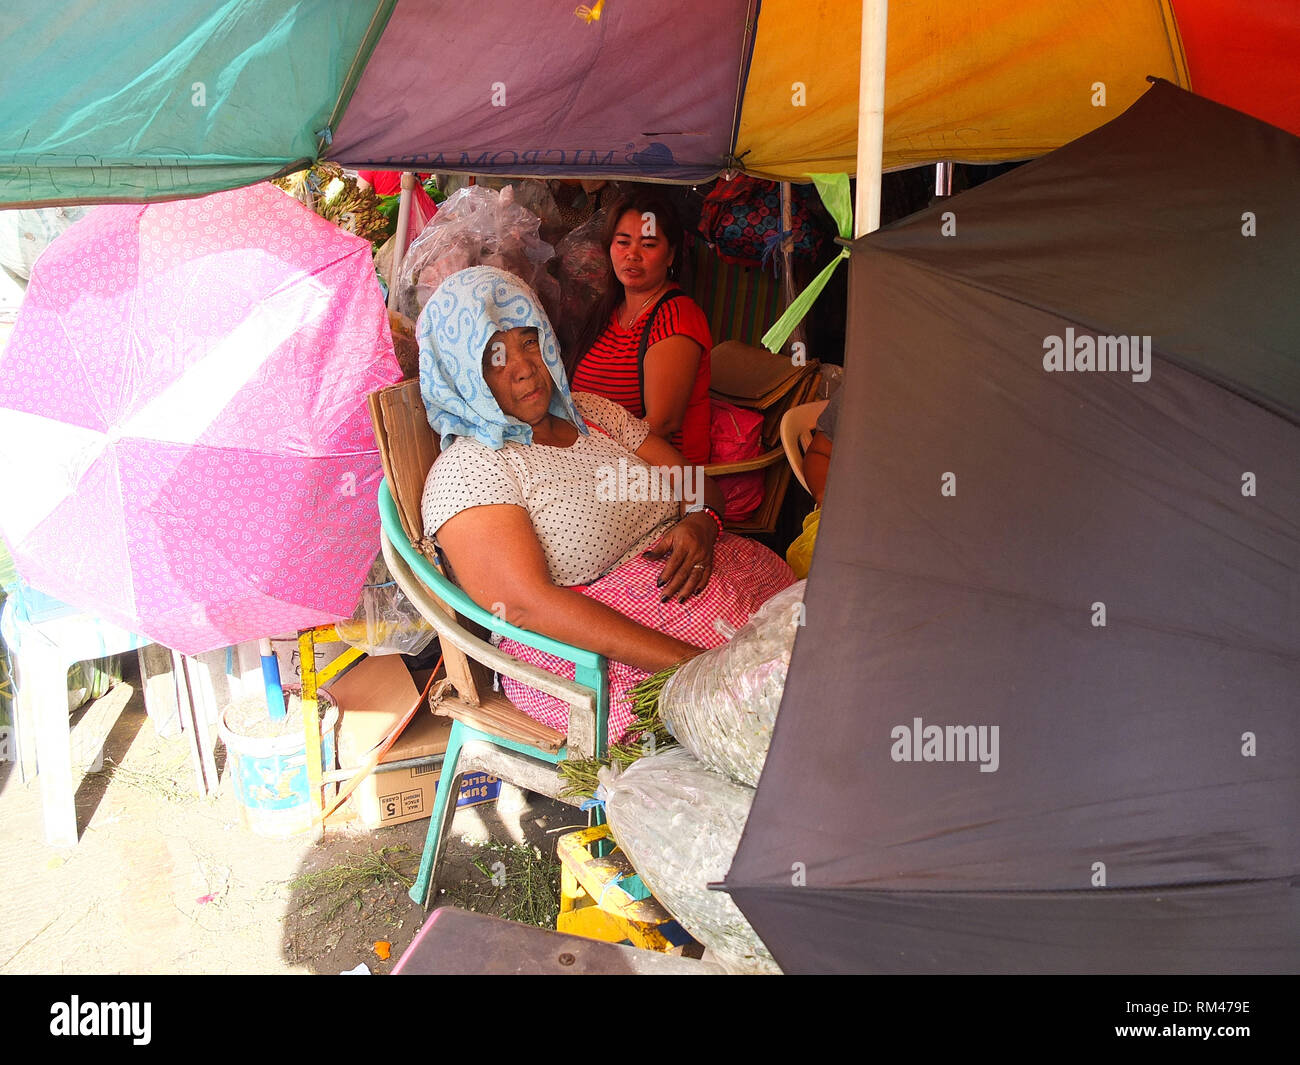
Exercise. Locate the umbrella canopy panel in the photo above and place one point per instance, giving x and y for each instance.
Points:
(1043, 715)
(183, 418)
(978, 82)
(642, 91)
(1244, 56)
(126, 103)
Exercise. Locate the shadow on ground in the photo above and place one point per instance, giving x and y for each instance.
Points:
(349, 903)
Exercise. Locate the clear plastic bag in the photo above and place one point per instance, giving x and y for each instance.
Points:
(721, 705)
(583, 262)
(385, 621)
(679, 825)
(476, 226)
(582, 267)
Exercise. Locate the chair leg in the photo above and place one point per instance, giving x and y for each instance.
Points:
(41, 702)
(444, 809)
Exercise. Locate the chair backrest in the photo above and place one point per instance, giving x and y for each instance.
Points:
(739, 301)
(408, 448)
(760, 380)
(771, 384)
(797, 425)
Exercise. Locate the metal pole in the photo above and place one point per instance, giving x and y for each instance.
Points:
(200, 705)
(189, 722)
(943, 179)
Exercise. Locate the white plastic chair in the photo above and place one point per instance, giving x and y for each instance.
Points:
(797, 425)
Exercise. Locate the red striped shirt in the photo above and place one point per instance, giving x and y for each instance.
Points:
(609, 369)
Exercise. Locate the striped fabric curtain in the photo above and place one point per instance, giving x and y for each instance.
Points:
(740, 302)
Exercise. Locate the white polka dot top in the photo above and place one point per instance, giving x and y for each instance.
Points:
(586, 501)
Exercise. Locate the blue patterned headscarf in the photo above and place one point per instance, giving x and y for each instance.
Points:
(454, 329)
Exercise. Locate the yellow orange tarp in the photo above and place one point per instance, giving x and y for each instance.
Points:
(979, 82)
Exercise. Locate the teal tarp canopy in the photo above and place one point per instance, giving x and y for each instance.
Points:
(153, 101)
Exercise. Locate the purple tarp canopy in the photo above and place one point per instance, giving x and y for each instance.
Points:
(589, 82)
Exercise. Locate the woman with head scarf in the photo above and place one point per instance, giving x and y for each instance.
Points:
(562, 512)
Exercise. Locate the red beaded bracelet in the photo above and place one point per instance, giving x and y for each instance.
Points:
(706, 509)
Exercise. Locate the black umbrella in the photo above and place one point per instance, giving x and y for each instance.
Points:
(1043, 716)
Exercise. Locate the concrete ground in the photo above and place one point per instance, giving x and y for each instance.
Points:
(164, 882)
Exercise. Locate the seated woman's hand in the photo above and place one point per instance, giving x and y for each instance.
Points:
(688, 549)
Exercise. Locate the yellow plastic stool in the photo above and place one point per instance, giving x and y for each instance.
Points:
(603, 898)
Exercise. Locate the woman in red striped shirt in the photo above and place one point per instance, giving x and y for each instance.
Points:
(646, 345)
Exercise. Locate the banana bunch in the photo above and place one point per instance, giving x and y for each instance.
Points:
(327, 191)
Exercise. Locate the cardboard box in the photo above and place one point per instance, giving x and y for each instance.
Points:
(374, 695)
(395, 796)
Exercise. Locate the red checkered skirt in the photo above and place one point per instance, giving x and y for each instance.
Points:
(745, 575)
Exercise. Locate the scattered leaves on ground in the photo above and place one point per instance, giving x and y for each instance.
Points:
(516, 882)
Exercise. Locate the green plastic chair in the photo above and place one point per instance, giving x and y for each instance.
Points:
(471, 747)
(488, 733)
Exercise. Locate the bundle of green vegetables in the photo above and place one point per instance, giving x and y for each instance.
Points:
(335, 196)
(647, 731)
(721, 705)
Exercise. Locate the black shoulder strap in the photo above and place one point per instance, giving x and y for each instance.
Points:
(672, 293)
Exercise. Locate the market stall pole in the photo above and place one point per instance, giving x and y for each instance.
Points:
(871, 115)
(311, 729)
(196, 713)
(399, 239)
(787, 255)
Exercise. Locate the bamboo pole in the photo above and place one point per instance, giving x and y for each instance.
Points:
(399, 238)
(787, 256)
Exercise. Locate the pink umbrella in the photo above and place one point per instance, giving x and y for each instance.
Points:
(183, 420)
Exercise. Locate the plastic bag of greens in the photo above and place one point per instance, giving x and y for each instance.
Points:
(679, 825)
(721, 705)
(385, 622)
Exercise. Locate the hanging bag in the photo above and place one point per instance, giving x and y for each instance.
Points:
(741, 218)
